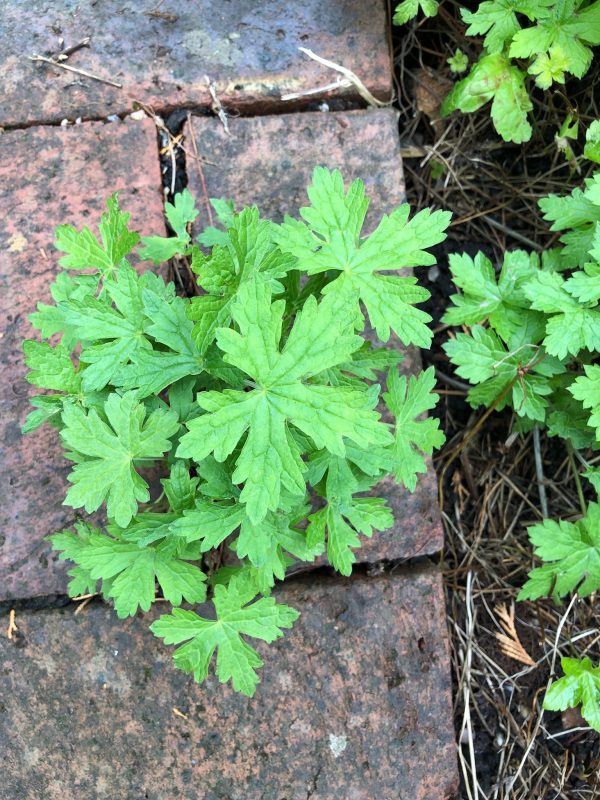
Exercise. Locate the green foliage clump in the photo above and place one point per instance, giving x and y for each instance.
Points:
(535, 326)
(579, 686)
(255, 402)
(458, 62)
(523, 41)
(532, 344)
(571, 552)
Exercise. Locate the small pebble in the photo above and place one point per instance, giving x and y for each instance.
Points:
(433, 273)
(140, 114)
(337, 744)
(64, 123)
(113, 118)
(324, 107)
(78, 121)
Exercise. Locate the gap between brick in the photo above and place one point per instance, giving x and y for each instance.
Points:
(408, 567)
(335, 104)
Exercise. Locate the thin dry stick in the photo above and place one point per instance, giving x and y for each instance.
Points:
(350, 79)
(412, 151)
(539, 471)
(539, 719)
(85, 73)
(515, 234)
(563, 619)
(200, 170)
(466, 723)
(68, 51)
(172, 142)
(476, 214)
(173, 164)
(88, 599)
(340, 83)
(216, 106)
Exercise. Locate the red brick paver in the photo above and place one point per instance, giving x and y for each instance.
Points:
(354, 704)
(50, 176)
(268, 161)
(163, 56)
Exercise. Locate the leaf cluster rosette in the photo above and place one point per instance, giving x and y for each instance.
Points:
(258, 401)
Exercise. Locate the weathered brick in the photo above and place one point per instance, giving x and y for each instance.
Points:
(163, 57)
(49, 176)
(354, 704)
(268, 161)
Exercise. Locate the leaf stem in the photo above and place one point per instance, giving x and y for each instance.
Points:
(574, 470)
(468, 436)
(539, 471)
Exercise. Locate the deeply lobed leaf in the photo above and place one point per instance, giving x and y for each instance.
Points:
(236, 614)
(238, 399)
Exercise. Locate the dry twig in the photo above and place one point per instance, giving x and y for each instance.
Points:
(216, 106)
(85, 73)
(66, 52)
(349, 79)
(200, 170)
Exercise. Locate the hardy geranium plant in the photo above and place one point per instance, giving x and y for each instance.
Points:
(257, 400)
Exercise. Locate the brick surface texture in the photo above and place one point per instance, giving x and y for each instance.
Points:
(248, 49)
(49, 176)
(353, 705)
(268, 161)
(355, 702)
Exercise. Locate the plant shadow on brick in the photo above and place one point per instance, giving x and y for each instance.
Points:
(257, 399)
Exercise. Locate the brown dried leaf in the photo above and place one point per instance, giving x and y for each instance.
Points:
(509, 641)
(430, 91)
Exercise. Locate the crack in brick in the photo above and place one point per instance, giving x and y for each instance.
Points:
(335, 104)
(413, 566)
(314, 781)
